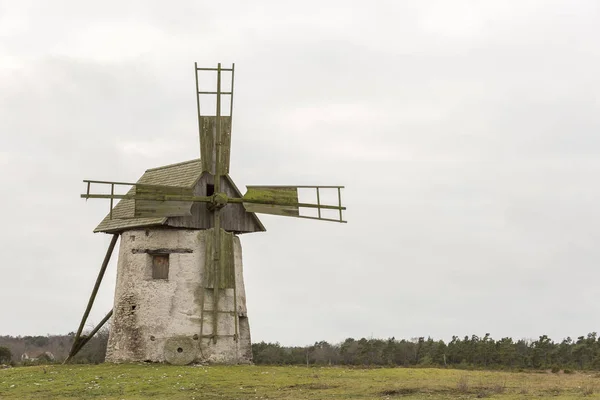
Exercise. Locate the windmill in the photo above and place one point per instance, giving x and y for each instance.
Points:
(180, 294)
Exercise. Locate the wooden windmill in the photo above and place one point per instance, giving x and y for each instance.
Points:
(180, 294)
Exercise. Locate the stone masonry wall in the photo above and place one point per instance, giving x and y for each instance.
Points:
(159, 319)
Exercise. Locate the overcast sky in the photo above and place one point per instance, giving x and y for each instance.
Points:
(466, 133)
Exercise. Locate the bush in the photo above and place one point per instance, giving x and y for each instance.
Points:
(555, 370)
(5, 355)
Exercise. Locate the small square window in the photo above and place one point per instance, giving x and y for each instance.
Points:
(160, 266)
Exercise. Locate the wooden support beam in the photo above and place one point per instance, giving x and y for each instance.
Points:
(78, 343)
(109, 252)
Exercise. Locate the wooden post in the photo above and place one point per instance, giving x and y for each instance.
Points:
(109, 252)
(217, 211)
(78, 344)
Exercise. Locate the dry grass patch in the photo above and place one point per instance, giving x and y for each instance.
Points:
(588, 389)
(463, 384)
(155, 381)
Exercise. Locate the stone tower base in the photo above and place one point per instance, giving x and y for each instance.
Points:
(160, 296)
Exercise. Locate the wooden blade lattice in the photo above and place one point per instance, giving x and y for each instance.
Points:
(149, 200)
(283, 201)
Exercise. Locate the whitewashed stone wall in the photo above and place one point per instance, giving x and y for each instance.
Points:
(159, 320)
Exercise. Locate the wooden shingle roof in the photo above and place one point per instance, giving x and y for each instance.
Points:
(184, 174)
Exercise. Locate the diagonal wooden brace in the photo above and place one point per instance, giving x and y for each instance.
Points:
(79, 343)
(74, 347)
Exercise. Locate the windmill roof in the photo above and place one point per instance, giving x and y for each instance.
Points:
(184, 174)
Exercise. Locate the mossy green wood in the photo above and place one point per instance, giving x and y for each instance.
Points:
(208, 144)
(157, 201)
(224, 272)
(272, 200)
(286, 195)
(285, 211)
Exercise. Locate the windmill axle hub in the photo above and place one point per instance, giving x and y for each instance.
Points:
(218, 201)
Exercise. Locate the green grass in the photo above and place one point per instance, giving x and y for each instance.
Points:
(133, 381)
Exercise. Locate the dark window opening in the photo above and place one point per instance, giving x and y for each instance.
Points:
(132, 308)
(210, 189)
(160, 266)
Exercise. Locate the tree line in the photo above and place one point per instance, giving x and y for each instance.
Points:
(469, 352)
(472, 351)
(28, 350)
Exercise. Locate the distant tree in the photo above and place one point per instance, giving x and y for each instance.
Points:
(541, 351)
(323, 353)
(388, 352)
(36, 341)
(348, 351)
(268, 353)
(506, 352)
(5, 355)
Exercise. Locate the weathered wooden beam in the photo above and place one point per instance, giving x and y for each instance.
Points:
(213, 336)
(214, 69)
(339, 203)
(162, 251)
(323, 219)
(157, 197)
(296, 186)
(122, 183)
(286, 211)
(208, 199)
(275, 203)
(217, 211)
(78, 343)
(109, 252)
(231, 98)
(224, 93)
(319, 202)
(197, 98)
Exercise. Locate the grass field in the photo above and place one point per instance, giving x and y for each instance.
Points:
(135, 381)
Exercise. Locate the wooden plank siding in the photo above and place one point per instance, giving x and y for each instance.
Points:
(234, 217)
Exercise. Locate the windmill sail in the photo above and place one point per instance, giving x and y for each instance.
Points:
(283, 201)
(272, 200)
(149, 200)
(162, 201)
(208, 144)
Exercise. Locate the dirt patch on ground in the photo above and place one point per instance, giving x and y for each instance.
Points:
(400, 392)
(311, 386)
